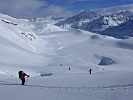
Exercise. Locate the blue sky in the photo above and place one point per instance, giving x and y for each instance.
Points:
(65, 8)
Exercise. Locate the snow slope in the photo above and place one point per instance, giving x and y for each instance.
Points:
(48, 57)
(20, 46)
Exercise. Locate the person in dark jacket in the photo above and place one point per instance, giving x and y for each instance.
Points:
(22, 76)
(69, 68)
(90, 71)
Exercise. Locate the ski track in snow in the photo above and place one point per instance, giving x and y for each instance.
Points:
(110, 87)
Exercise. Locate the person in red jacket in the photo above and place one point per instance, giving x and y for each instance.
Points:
(22, 77)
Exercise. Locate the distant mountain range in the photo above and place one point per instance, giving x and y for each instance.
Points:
(114, 21)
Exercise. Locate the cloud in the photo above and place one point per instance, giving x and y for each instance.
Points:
(32, 8)
(20, 8)
(59, 11)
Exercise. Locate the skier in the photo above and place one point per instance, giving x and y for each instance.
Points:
(61, 65)
(22, 77)
(69, 68)
(90, 71)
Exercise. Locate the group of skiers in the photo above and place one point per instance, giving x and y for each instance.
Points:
(22, 75)
(69, 68)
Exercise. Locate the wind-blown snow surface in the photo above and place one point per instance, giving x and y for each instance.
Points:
(48, 56)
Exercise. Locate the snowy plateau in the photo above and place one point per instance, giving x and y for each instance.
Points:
(58, 59)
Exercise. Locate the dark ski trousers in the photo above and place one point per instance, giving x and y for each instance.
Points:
(23, 81)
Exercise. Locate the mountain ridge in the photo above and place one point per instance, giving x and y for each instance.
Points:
(94, 21)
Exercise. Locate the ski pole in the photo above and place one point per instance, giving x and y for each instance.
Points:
(26, 80)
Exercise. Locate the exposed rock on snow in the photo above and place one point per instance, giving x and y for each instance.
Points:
(106, 61)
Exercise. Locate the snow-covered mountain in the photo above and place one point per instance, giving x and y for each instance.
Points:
(97, 20)
(30, 40)
(79, 19)
(19, 45)
(59, 62)
(114, 9)
(125, 30)
(107, 21)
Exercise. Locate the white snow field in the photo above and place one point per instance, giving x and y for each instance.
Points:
(47, 57)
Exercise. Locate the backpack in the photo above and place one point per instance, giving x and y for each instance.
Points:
(20, 74)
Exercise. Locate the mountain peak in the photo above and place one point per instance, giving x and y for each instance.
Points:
(98, 20)
(114, 9)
